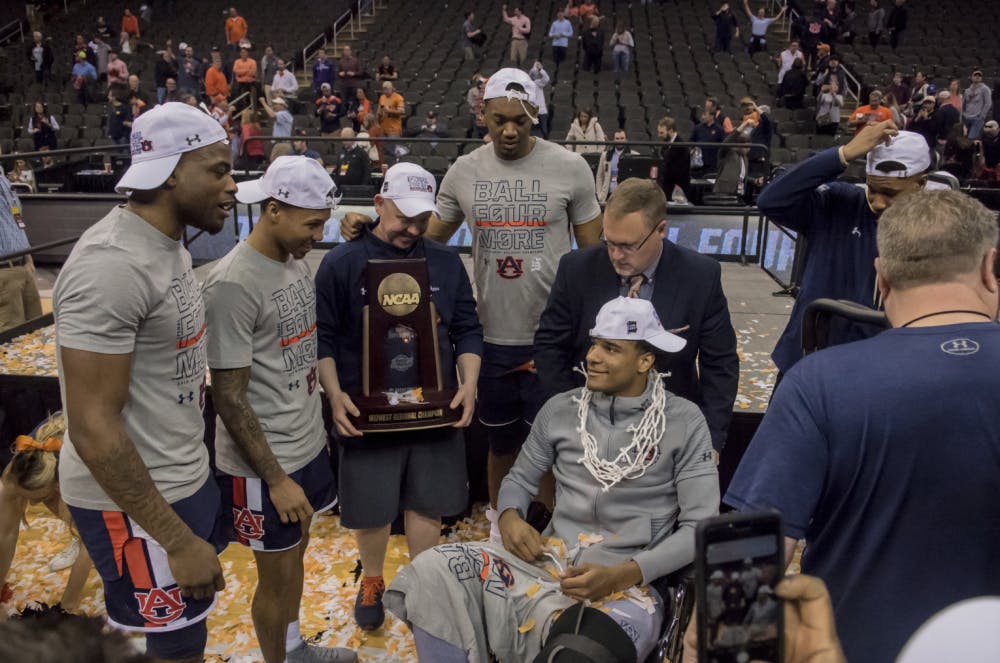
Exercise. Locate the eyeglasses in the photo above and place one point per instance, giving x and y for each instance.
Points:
(631, 248)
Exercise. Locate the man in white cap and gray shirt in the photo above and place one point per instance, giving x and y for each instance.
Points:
(635, 473)
(421, 473)
(525, 200)
(838, 220)
(130, 330)
(270, 441)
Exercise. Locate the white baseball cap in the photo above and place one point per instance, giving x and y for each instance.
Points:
(411, 188)
(634, 319)
(295, 180)
(906, 155)
(964, 631)
(160, 136)
(496, 85)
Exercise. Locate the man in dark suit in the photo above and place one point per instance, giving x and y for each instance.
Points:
(676, 168)
(684, 287)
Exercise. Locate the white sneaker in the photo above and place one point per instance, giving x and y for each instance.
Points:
(494, 518)
(65, 558)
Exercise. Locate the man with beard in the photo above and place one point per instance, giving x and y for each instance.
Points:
(130, 331)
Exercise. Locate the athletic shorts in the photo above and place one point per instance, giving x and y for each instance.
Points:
(140, 593)
(509, 396)
(380, 475)
(252, 519)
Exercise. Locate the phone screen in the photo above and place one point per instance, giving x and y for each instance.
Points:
(742, 616)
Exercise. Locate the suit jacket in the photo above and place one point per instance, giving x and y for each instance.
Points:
(687, 292)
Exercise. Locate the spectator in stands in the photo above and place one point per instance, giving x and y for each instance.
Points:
(876, 24)
(990, 143)
(977, 105)
(125, 45)
(520, 30)
(898, 117)
(734, 163)
(329, 110)
(870, 460)
(145, 15)
(83, 77)
(560, 32)
(236, 29)
(948, 116)
(358, 108)
(897, 21)
(585, 127)
(189, 72)
(829, 18)
(828, 105)
(80, 45)
(470, 35)
(130, 25)
(40, 57)
(793, 86)
(21, 174)
(713, 107)
(101, 51)
(830, 73)
(353, 167)
(220, 111)
(351, 74)
(103, 30)
(117, 72)
(872, 113)
(587, 10)
(960, 154)
(675, 173)
(787, 57)
(541, 79)
(391, 110)
(725, 27)
(285, 81)
(708, 130)
(759, 25)
(301, 147)
(17, 277)
(900, 88)
(955, 94)
(431, 127)
(43, 127)
(324, 71)
(171, 93)
(387, 70)
(119, 115)
(474, 102)
(215, 80)
(278, 112)
(253, 148)
(368, 139)
(165, 68)
(622, 43)
(268, 68)
(607, 166)
(137, 98)
(839, 221)
(919, 89)
(592, 42)
(245, 73)
(927, 122)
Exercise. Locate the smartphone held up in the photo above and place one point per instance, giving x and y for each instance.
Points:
(739, 561)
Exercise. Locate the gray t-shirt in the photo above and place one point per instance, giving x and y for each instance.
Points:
(262, 314)
(128, 288)
(520, 214)
(282, 124)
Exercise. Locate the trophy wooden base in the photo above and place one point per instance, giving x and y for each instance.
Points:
(379, 416)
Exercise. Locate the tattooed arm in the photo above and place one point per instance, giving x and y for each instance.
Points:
(96, 392)
(229, 393)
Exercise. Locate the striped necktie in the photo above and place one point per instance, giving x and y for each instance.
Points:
(634, 283)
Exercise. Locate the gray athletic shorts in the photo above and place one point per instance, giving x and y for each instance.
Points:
(381, 476)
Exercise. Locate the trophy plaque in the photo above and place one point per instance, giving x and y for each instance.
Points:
(401, 381)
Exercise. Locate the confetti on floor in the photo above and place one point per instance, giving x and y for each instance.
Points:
(327, 603)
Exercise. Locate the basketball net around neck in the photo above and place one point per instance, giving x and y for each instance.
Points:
(634, 459)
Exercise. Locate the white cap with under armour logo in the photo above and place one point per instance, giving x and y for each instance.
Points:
(160, 137)
(411, 188)
(295, 180)
(634, 319)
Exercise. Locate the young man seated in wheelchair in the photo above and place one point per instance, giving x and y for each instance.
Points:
(634, 474)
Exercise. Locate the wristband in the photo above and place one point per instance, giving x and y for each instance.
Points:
(840, 155)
